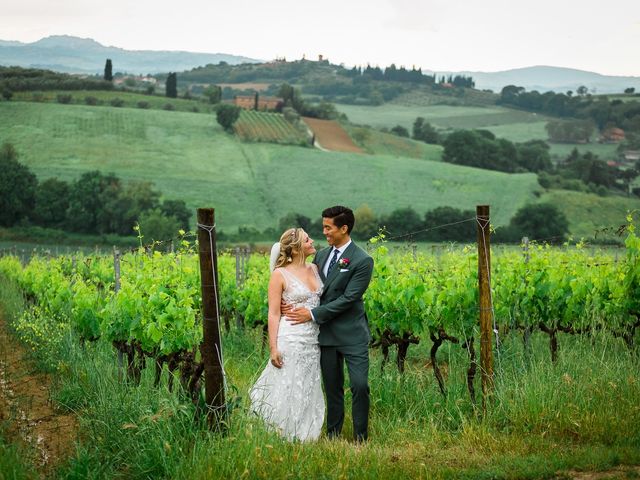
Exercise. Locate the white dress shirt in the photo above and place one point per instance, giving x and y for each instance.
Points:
(341, 250)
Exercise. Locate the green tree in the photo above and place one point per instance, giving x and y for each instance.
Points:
(177, 209)
(542, 222)
(294, 220)
(172, 85)
(213, 93)
(7, 94)
(629, 91)
(402, 221)
(52, 202)
(17, 188)
(157, 226)
(366, 223)
(452, 223)
(88, 197)
(108, 70)
(400, 131)
(292, 98)
(123, 205)
(424, 131)
(227, 115)
(570, 131)
(534, 155)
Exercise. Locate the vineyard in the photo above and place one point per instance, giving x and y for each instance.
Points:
(153, 310)
(269, 127)
(145, 307)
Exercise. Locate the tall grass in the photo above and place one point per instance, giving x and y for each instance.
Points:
(581, 413)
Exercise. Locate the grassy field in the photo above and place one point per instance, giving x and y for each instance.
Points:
(426, 96)
(381, 143)
(544, 420)
(130, 99)
(189, 157)
(441, 116)
(587, 213)
(521, 132)
(514, 125)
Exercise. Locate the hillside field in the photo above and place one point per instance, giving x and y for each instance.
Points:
(514, 125)
(441, 116)
(587, 213)
(189, 157)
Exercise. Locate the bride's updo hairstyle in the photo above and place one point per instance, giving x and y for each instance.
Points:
(291, 243)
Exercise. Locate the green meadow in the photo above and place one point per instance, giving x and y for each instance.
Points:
(589, 213)
(514, 125)
(441, 116)
(129, 99)
(188, 156)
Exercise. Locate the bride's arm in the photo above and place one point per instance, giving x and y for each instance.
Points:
(276, 287)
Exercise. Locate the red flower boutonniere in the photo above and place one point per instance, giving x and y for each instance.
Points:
(344, 262)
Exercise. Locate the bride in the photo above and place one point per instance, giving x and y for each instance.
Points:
(288, 394)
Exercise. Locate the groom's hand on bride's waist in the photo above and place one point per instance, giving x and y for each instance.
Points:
(285, 307)
(299, 315)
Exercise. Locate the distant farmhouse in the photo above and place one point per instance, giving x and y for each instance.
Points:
(612, 135)
(256, 102)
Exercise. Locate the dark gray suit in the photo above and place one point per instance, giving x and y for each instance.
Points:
(344, 336)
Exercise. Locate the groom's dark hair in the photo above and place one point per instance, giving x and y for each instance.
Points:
(341, 216)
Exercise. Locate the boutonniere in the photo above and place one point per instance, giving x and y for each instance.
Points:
(344, 262)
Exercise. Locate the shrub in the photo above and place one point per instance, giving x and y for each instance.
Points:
(227, 115)
(542, 221)
(195, 109)
(37, 97)
(64, 98)
(117, 102)
(400, 131)
(169, 107)
(7, 94)
(91, 101)
(143, 104)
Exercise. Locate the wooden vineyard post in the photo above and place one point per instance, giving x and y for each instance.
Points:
(486, 317)
(211, 347)
(526, 338)
(116, 288)
(239, 252)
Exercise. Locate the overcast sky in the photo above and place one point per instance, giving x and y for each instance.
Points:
(440, 35)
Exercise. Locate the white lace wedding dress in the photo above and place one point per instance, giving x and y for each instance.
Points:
(290, 399)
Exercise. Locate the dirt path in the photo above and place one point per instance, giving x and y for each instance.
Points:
(331, 136)
(618, 472)
(26, 407)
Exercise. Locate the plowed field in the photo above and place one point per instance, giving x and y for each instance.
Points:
(331, 136)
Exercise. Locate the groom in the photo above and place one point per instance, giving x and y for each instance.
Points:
(346, 271)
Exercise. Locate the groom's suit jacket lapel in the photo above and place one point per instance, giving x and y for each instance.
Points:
(332, 275)
(320, 260)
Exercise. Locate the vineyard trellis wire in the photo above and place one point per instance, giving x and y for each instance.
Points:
(156, 313)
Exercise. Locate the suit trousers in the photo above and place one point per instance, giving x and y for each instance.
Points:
(332, 359)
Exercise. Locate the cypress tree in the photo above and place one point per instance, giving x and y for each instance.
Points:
(172, 85)
(108, 70)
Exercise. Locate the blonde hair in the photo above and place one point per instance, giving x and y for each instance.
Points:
(291, 243)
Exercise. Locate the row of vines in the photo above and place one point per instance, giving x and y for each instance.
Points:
(268, 127)
(155, 314)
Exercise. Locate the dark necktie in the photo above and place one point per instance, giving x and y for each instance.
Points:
(333, 261)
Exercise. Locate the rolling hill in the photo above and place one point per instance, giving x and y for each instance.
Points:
(68, 54)
(188, 156)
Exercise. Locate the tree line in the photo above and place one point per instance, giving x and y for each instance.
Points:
(95, 203)
(17, 79)
(603, 112)
(441, 224)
